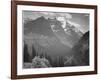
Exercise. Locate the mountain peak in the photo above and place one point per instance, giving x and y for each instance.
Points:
(73, 27)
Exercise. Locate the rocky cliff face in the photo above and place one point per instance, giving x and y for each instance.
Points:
(81, 50)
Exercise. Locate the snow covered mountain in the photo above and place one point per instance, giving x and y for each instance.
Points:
(66, 31)
(49, 35)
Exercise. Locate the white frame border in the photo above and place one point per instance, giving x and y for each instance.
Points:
(21, 71)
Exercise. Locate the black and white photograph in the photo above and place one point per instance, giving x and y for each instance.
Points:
(55, 39)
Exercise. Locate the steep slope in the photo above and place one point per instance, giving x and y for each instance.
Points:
(81, 50)
(40, 26)
(74, 33)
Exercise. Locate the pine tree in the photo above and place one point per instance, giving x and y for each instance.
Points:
(33, 52)
(26, 55)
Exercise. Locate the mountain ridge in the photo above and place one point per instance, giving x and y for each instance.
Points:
(44, 26)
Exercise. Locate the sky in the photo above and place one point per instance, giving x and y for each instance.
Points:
(80, 20)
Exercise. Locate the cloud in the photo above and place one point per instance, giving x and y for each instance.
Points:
(66, 15)
(51, 15)
(74, 24)
(36, 14)
(61, 18)
(48, 13)
(63, 21)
